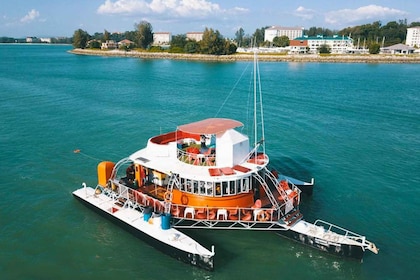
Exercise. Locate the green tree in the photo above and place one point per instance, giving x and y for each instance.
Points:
(144, 34)
(80, 39)
(179, 41)
(314, 31)
(94, 44)
(106, 36)
(282, 41)
(374, 48)
(192, 47)
(324, 49)
(130, 35)
(230, 48)
(258, 37)
(212, 42)
(239, 36)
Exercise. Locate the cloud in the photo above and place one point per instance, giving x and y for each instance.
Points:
(305, 14)
(30, 16)
(363, 14)
(175, 8)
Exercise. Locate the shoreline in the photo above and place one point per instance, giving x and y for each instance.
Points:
(346, 58)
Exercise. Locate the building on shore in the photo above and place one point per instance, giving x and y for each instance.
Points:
(336, 44)
(161, 38)
(398, 49)
(196, 36)
(298, 46)
(413, 37)
(109, 45)
(278, 31)
(125, 43)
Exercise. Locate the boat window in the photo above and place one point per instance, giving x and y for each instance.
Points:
(209, 188)
(245, 184)
(201, 188)
(225, 187)
(218, 188)
(238, 186)
(182, 184)
(188, 186)
(232, 188)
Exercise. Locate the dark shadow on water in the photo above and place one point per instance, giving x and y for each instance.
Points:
(299, 168)
(207, 238)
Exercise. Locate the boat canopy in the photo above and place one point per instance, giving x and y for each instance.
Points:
(210, 126)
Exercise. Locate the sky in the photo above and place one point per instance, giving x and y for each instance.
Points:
(56, 18)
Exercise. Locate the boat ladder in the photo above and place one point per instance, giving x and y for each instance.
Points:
(173, 180)
(267, 190)
(282, 192)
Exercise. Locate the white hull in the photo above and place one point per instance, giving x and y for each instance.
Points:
(171, 241)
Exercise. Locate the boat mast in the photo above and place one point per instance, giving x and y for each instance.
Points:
(258, 100)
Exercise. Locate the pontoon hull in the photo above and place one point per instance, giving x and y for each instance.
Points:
(335, 248)
(186, 257)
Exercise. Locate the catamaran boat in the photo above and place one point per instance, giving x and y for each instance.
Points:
(206, 175)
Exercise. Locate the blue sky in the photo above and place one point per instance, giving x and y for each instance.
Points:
(41, 18)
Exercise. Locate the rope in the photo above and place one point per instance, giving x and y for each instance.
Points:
(78, 151)
(230, 93)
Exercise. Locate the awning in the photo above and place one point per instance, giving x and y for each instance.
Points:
(210, 126)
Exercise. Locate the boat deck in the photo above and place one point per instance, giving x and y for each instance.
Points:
(127, 212)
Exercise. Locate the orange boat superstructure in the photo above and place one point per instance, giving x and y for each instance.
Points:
(204, 171)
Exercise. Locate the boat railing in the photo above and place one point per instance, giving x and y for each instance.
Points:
(135, 198)
(118, 165)
(226, 213)
(196, 158)
(141, 200)
(329, 227)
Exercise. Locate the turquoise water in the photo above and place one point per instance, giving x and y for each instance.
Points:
(354, 127)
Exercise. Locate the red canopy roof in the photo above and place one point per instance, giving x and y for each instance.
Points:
(210, 126)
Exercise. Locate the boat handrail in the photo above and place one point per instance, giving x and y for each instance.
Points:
(201, 159)
(348, 234)
(118, 165)
(272, 214)
(267, 190)
(337, 229)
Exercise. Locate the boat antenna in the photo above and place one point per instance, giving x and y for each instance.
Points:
(258, 106)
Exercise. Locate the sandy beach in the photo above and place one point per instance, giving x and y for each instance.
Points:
(353, 58)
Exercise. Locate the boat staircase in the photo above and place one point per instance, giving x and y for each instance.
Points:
(173, 180)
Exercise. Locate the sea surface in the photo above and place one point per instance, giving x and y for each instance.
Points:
(355, 128)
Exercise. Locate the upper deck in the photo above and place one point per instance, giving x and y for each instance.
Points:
(208, 149)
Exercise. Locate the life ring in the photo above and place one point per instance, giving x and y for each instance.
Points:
(184, 199)
(263, 216)
(167, 196)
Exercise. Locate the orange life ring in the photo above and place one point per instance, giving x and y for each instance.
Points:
(263, 216)
(167, 196)
(184, 199)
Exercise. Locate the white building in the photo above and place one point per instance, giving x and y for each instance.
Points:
(398, 49)
(109, 45)
(161, 38)
(413, 37)
(196, 36)
(337, 44)
(45, 40)
(277, 31)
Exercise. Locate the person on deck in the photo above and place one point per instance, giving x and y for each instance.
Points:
(203, 141)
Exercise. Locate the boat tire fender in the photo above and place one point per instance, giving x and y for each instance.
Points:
(184, 199)
(263, 216)
(167, 196)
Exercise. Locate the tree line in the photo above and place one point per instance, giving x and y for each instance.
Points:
(370, 35)
(142, 37)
